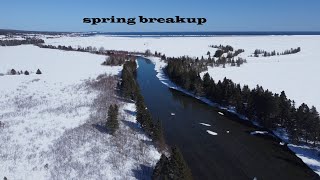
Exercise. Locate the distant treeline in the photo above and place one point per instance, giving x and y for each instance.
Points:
(173, 167)
(17, 42)
(115, 57)
(271, 110)
(264, 53)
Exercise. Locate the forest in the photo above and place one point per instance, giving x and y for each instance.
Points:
(271, 110)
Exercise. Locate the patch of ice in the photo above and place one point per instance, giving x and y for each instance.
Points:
(204, 124)
(259, 132)
(212, 133)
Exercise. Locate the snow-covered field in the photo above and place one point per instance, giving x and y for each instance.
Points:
(52, 124)
(296, 74)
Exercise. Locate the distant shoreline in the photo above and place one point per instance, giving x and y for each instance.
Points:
(169, 34)
(213, 33)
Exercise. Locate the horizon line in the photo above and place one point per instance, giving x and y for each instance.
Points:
(225, 31)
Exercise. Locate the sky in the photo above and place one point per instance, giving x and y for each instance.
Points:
(231, 15)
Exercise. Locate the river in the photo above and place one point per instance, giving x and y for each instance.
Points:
(231, 154)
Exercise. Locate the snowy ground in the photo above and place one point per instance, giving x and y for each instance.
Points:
(53, 122)
(295, 74)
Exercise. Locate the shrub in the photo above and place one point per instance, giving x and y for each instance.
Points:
(38, 72)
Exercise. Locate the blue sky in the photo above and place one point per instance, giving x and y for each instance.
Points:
(231, 15)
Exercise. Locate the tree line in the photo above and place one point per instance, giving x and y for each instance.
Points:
(93, 50)
(14, 72)
(264, 53)
(130, 90)
(17, 42)
(270, 109)
(172, 167)
(115, 57)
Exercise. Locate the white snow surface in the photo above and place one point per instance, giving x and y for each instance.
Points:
(47, 131)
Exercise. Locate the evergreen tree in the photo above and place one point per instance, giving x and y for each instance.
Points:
(292, 125)
(173, 168)
(178, 167)
(158, 135)
(284, 109)
(129, 87)
(161, 170)
(218, 53)
(112, 123)
(315, 125)
(206, 83)
(303, 118)
(13, 72)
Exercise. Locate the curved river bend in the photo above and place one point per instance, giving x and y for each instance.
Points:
(231, 154)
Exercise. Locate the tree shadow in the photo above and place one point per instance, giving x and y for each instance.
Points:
(132, 125)
(143, 172)
(133, 113)
(100, 128)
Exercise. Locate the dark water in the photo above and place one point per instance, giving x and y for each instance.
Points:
(234, 155)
